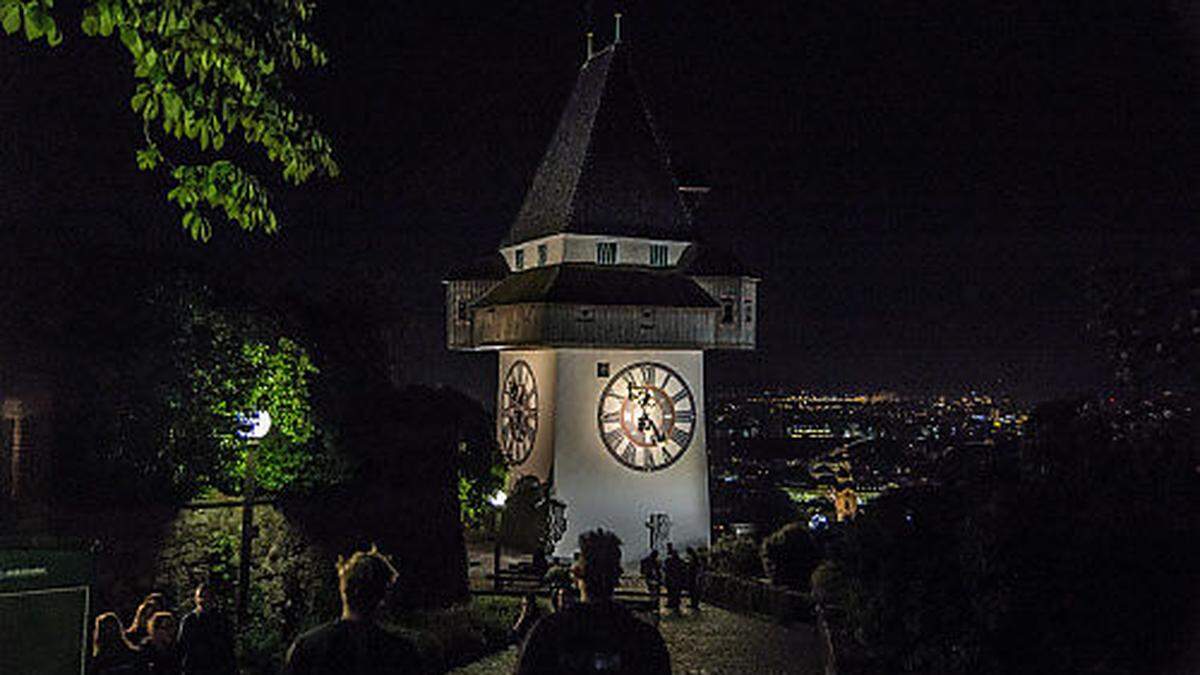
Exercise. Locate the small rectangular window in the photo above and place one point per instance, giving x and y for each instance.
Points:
(749, 312)
(541, 254)
(519, 259)
(726, 310)
(585, 314)
(602, 369)
(658, 255)
(606, 252)
(462, 310)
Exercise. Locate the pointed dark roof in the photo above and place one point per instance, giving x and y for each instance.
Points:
(606, 170)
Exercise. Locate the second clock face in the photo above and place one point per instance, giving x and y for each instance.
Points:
(647, 416)
(518, 413)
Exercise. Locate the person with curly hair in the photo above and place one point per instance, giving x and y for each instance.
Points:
(355, 644)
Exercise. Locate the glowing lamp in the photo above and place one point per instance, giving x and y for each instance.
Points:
(253, 426)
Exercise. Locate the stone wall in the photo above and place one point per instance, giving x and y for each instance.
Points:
(169, 551)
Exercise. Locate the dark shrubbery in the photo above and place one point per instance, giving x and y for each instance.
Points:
(747, 595)
(455, 636)
(789, 556)
(737, 556)
(444, 638)
(1086, 563)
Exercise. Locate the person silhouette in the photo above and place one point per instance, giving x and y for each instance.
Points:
(673, 577)
(206, 638)
(596, 635)
(651, 570)
(355, 644)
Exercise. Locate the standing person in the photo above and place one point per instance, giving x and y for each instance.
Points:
(651, 571)
(160, 654)
(530, 613)
(355, 644)
(138, 630)
(111, 652)
(597, 635)
(673, 577)
(695, 570)
(205, 638)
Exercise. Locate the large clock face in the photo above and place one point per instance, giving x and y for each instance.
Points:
(647, 416)
(518, 413)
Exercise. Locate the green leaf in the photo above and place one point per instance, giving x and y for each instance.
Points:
(90, 24)
(33, 28)
(107, 21)
(10, 17)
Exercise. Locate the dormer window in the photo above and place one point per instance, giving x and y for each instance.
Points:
(658, 255)
(606, 252)
(541, 254)
(519, 259)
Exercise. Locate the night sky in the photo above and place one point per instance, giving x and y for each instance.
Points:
(925, 189)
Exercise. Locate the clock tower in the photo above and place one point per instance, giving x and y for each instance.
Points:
(601, 303)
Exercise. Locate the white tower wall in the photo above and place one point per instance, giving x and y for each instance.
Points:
(601, 492)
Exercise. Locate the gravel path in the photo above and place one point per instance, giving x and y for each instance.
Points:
(714, 642)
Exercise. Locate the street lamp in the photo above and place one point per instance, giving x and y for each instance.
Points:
(251, 428)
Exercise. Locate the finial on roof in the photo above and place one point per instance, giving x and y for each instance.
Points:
(617, 30)
(590, 45)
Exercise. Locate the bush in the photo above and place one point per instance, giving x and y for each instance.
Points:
(789, 556)
(755, 597)
(454, 636)
(829, 584)
(737, 556)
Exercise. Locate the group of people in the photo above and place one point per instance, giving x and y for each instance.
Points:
(593, 634)
(155, 643)
(675, 574)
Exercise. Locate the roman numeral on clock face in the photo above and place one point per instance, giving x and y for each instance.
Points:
(685, 416)
(680, 437)
(628, 454)
(648, 459)
(614, 438)
(648, 375)
(611, 417)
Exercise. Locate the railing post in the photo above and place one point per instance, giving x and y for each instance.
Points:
(243, 595)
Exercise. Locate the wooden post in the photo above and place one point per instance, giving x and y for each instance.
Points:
(243, 594)
(496, 565)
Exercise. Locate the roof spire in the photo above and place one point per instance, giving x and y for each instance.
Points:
(591, 49)
(617, 30)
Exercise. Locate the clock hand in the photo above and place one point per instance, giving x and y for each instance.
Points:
(658, 435)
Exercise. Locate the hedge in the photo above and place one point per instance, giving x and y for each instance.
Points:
(755, 597)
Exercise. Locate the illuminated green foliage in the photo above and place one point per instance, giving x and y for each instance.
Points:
(207, 72)
(273, 377)
(236, 363)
